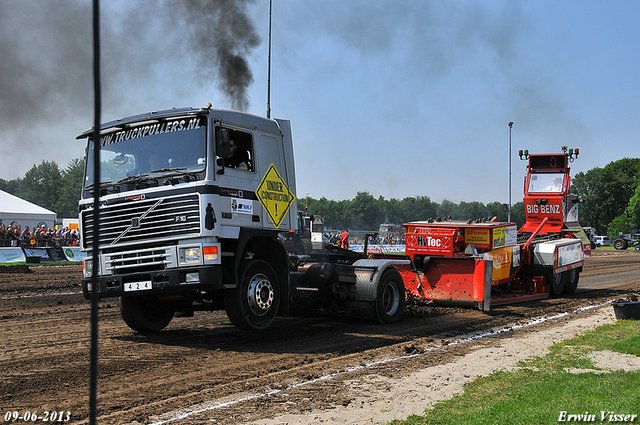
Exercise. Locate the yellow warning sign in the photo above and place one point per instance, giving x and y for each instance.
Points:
(274, 195)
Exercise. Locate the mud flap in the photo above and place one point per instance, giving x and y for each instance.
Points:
(485, 303)
(368, 273)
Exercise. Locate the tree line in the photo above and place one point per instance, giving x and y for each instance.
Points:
(610, 195)
(365, 212)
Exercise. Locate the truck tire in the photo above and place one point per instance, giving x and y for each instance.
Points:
(390, 299)
(144, 314)
(253, 304)
(620, 244)
(556, 283)
(571, 278)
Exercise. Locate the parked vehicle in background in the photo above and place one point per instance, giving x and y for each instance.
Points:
(390, 231)
(591, 233)
(625, 241)
(602, 240)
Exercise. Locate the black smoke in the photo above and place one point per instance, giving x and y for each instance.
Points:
(153, 52)
(223, 37)
(46, 57)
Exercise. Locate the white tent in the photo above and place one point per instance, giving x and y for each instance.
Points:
(25, 213)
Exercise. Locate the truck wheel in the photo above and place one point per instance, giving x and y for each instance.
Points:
(620, 244)
(556, 285)
(254, 303)
(390, 297)
(144, 314)
(571, 278)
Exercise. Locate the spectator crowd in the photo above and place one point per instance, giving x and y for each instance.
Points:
(390, 239)
(42, 237)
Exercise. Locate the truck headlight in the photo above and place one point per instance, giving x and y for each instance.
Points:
(191, 255)
(87, 268)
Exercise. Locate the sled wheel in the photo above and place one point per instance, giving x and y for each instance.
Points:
(390, 298)
(253, 304)
(556, 283)
(571, 281)
(144, 314)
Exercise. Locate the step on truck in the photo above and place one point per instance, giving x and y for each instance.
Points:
(193, 204)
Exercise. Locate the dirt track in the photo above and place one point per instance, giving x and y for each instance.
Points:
(45, 332)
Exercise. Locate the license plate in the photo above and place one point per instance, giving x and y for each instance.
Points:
(137, 286)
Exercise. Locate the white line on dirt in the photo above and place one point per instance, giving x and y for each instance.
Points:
(208, 406)
(40, 295)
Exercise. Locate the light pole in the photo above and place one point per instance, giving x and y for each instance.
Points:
(306, 201)
(510, 126)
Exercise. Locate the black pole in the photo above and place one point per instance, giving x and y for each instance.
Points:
(269, 67)
(93, 363)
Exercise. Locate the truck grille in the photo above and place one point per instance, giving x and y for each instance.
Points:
(140, 260)
(145, 220)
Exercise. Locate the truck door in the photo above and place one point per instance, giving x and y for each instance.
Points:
(238, 203)
(274, 190)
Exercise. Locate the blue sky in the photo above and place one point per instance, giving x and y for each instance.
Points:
(395, 98)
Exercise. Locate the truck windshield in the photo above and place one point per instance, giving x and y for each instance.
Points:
(546, 182)
(154, 148)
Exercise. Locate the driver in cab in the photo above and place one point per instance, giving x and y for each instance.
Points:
(237, 158)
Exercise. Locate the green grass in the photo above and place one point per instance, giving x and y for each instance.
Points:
(542, 388)
(605, 248)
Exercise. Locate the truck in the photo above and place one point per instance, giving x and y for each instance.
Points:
(183, 226)
(180, 230)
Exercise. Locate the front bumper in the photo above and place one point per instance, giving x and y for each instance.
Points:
(165, 282)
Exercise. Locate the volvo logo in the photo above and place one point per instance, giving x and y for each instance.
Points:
(135, 222)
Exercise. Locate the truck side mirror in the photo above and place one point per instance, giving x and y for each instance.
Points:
(222, 146)
(222, 142)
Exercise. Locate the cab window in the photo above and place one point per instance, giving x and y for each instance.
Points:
(241, 151)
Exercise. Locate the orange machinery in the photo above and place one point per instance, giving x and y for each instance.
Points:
(484, 263)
